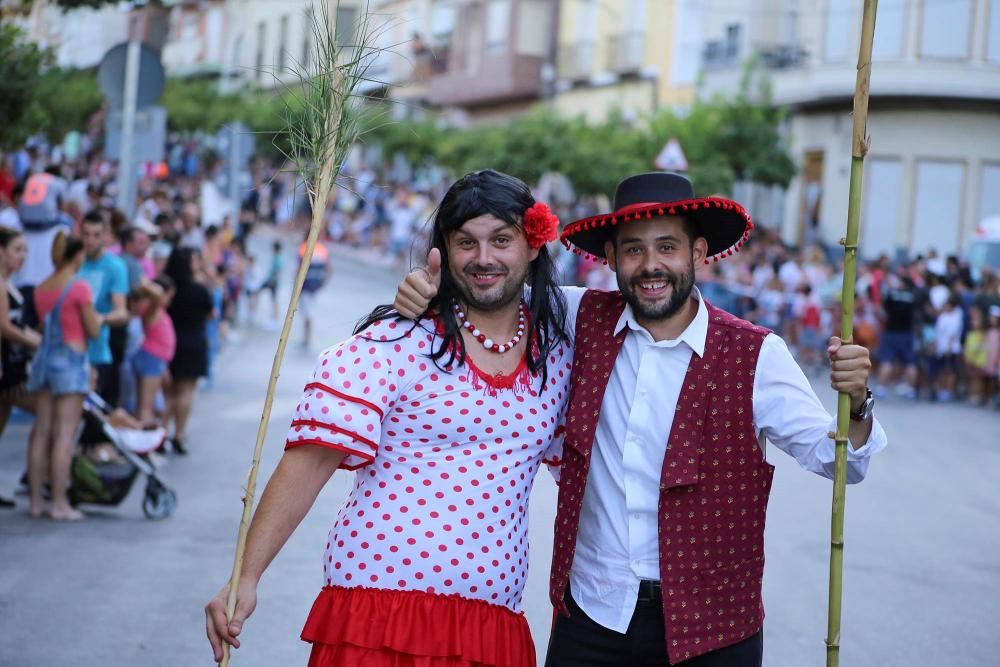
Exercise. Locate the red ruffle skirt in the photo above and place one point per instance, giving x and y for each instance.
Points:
(391, 628)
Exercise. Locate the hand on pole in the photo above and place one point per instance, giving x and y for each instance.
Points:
(221, 630)
(419, 287)
(849, 369)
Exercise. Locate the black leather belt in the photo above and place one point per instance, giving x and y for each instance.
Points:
(650, 591)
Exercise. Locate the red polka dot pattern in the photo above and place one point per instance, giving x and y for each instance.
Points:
(440, 500)
(714, 485)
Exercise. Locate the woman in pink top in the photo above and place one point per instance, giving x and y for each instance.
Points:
(150, 361)
(59, 375)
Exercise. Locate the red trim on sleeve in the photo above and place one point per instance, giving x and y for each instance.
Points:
(346, 397)
(335, 429)
(340, 448)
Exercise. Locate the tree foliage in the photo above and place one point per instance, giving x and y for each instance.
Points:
(68, 98)
(21, 64)
(724, 140)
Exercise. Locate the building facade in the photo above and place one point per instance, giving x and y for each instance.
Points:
(634, 56)
(196, 39)
(933, 170)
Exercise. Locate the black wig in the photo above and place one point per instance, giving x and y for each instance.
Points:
(506, 198)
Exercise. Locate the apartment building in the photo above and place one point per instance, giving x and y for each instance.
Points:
(635, 56)
(933, 171)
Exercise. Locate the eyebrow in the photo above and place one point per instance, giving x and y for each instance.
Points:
(501, 227)
(658, 239)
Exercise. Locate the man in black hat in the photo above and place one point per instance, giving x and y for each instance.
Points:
(658, 555)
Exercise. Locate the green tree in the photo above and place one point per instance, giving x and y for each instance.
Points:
(21, 64)
(67, 98)
(195, 104)
(726, 139)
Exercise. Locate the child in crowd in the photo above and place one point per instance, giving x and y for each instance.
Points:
(991, 371)
(947, 349)
(150, 301)
(770, 305)
(975, 356)
(809, 314)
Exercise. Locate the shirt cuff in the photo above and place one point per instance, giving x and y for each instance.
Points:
(877, 441)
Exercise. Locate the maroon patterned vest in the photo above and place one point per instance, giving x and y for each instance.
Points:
(714, 484)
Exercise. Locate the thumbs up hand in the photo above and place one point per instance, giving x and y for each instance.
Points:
(419, 287)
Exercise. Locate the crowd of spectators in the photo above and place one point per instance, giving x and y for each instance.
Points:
(130, 309)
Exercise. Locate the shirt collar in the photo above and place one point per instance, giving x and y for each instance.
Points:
(694, 335)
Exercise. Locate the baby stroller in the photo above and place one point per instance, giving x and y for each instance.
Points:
(103, 473)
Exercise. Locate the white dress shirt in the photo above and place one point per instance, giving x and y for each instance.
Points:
(617, 545)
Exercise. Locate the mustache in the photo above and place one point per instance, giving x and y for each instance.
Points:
(479, 268)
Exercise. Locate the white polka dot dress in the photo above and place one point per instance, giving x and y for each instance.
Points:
(444, 469)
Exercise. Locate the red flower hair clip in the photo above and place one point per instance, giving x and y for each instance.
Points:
(540, 225)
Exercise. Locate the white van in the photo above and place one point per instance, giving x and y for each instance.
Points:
(983, 251)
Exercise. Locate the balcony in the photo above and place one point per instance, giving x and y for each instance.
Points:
(624, 52)
(576, 61)
(503, 77)
(798, 80)
(719, 54)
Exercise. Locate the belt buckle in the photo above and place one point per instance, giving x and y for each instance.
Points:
(650, 590)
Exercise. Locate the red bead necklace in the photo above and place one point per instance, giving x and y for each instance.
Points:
(489, 343)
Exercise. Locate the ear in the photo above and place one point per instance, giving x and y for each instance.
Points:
(609, 254)
(699, 250)
(533, 253)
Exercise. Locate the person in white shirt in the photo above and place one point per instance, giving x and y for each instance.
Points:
(947, 348)
(637, 581)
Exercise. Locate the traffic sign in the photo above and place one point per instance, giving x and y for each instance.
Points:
(671, 158)
(111, 76)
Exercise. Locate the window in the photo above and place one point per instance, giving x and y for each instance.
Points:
(497, 25)
(347, 19)
(937, 206)
(688, 40)
(944, 32)
(586, 35)
(282, 42)
(891, 29)
(840, 31)
(989, 192)
(189, 26)
(587, 20)
(442, 22)
(307, 37)
(882, 207)
(993, 33)
(732, 42)
(261, 42)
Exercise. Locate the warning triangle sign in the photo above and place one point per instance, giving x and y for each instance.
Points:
(671, 158)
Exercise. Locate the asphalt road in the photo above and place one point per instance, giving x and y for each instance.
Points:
(922, 570)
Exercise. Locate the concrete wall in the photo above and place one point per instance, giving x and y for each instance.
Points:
(594, 103)
(80, 38)
(670, 33)
(916, 145)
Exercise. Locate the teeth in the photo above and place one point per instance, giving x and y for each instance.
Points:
(653, 285)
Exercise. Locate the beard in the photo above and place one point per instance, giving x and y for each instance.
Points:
(681, 285)
(508, 290)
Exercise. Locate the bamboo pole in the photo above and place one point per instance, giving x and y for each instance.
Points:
(250, 490)
(321, 129)
(850, 243)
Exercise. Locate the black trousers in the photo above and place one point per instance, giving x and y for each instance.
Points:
(578, 641)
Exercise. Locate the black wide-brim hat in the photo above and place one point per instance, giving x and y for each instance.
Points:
(724, 223)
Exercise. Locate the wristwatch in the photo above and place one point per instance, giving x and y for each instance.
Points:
(865, 410)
